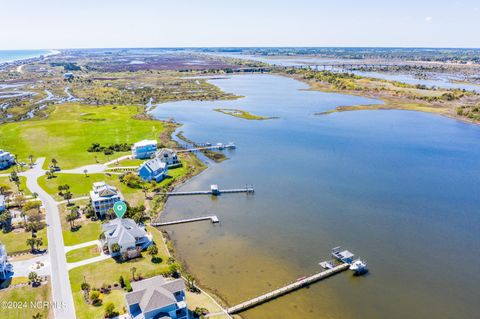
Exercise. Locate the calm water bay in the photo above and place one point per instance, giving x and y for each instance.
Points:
(400, 189)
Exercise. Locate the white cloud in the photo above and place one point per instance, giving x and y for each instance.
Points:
(428, 19)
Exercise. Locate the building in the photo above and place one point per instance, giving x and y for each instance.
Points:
(131, 237)
(153, 169)
(5, 267)
(69, 76)
(144, 149)
(157, 298)
(6, 159)
(3, 204)
(168, 156)
(103, 196)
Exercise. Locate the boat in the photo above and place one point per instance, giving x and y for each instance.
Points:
(359, 267)
(230, 145)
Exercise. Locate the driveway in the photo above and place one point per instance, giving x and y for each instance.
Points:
(62, 292)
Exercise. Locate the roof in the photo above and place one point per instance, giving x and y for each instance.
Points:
(124, 230)
(145, 143)
(5, 153)
(165, 152)
(154, 293)
(2, 200)
(154, 165)
(102, 189)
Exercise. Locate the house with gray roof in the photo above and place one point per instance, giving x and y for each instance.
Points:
(5, 267)
(103, 196)
(157, 298)
(6, 159)
(168, 156)
(153, 169)
(131, 237)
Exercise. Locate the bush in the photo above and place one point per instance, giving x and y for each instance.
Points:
(121, 281)
(110, 310)
(128, 287)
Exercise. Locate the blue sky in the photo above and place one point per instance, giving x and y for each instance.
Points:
(32, 24)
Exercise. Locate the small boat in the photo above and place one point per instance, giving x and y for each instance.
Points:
(220, 146)
(359, 267)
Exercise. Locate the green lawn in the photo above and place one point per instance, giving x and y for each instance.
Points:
(108, 272)
(16, 241)
(83, 253)
(80, 185)
(5, 181)
(128, 162)
(25, 294)
(88, 231)
(71, 128)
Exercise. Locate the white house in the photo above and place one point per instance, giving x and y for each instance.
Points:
(103, 196)
(153, 169)
(3, 205)
(131, 237)
(144, 149)
(6, 159)
(168, 156)
(157, 297)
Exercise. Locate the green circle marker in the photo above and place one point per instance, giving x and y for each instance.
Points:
(119, 208)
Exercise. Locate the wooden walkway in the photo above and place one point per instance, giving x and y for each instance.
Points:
(284, 290)
(248, 189)
(204, 148)
(213, 218)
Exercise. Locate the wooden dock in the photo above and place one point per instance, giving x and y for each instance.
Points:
(213, 218)
(206, 148)
(248, 189)
(284, 290)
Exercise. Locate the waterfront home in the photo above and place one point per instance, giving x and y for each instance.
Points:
(153, 169)
(103, 196)
(3, 204)
(4, 266)
(131, 237)
(168, 156)
(68, 76)
(144, 149)
(6, 159)
(157, 297)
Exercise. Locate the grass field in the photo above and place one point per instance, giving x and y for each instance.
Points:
(108, 272)
(83, 253)
(71, 128)
(25, 294)
(16, 241)
(88, 230)
(5, 181)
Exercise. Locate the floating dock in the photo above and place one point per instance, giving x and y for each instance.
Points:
(214, 190)
(289, 288)
(213, 218)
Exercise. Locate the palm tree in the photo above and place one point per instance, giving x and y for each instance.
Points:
(85, 171)
(67, 196)
(33, 278)
(31, 242)
(133, 270)
(38, 242)
(30, 157)
(54, 162)
(145, 190)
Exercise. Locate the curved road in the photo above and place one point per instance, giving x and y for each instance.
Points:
(61, 290)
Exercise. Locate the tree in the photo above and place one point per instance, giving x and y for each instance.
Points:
(72, 216)
(110, 213)
(133, 270)
(54, 162)
(153, 251)
(95, 297)
(38, 242)
(121, 281)
(191, 283)
(85, 286)
(33, 278)
(30, 157)
(145, 190)
(67, 196)
(31, 242)
(115, 248)
(110, 310)
(15, 179)
(85, 171)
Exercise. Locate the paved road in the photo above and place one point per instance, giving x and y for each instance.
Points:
(62, 292)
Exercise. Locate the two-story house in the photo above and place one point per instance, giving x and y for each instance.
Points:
(6, 159)
(153, 169)
(131, 237)
(168, 156)
(103, 196)
(144, 149)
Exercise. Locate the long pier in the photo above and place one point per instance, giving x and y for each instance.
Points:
(213, 191)
(205, 148)
(289, 288)
(213, 218)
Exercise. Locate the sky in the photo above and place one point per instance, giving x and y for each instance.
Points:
(57, 24)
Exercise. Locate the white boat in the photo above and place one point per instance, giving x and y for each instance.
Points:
(230, 145)
(359, 267)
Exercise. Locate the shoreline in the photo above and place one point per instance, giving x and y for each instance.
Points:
(27, 59)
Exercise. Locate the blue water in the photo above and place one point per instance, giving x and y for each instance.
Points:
(13, 55)
(400, 189)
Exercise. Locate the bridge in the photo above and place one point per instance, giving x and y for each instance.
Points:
(287, 289)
